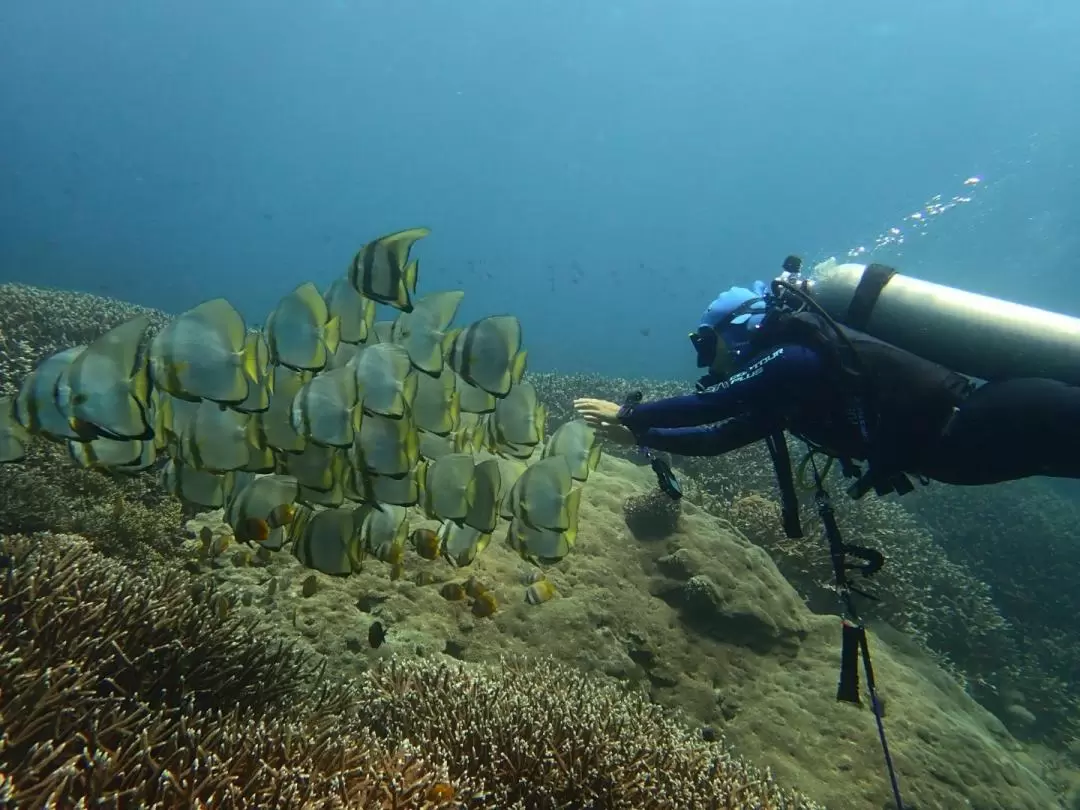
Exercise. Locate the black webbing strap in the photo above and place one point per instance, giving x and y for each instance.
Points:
(867, 292)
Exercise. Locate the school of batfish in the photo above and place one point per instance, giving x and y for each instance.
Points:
(322, 430)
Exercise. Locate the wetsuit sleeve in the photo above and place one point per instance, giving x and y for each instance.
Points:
(713, 440)
(755, 399)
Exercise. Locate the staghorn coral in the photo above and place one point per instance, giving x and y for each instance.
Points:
(1019, 538)
(651, 515)
(541, 735)
(128, 516)
(119, 690)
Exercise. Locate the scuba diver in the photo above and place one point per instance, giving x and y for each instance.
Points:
(894, 377)
(823, 359)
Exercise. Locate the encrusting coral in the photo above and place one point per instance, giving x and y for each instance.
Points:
(121, 689)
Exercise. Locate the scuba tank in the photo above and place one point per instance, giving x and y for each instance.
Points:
(976, 335)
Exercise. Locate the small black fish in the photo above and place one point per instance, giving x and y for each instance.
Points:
(376, 634)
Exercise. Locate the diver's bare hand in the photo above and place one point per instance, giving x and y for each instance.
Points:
(596, 411)
(602, 416)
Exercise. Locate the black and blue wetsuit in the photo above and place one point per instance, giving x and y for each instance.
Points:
(922, 419)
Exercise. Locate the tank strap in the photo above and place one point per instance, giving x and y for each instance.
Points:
(867, 292)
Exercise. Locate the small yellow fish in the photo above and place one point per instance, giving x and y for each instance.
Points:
(475, 588)
(539, 592)
(485, 605)
(427, 543)
(453, 591)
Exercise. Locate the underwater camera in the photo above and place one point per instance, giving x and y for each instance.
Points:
(665, 478)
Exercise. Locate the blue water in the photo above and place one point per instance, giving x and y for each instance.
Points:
(601, 169)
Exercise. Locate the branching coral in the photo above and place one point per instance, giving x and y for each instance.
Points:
(119, 690)
(129, 516)
(543, 735)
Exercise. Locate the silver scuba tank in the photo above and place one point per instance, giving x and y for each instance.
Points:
(973, 334)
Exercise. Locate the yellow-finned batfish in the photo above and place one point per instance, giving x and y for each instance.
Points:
(301, 333)
(424, 332)
(276, 420)
(382, 332)
(543, 495)
(110, 383)
(483, 512)
(205, 353)
(435, 404)
(260, 386)
(261, 511)
(387, 446)
(121, 455)
(14, 438)
(173, 420)
(472, 399)
(221, 439)
(510, 471)
(449, 487)
(387, 383)
(519, 418)
(433, 447)
(401, 491)
(315, 466)
(543, 546)
(330, 542)
(43, 404)
(354, 312)
(576, 442)
(385, 531)
(461, 544)
(326, 409)
(335, 495)
(488, 354)
(381, 269)
(344, 353)
(194, 486)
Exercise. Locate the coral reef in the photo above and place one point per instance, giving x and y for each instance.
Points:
(121, 690)
(651, 515)
(172, 705)
(704, 623)
(543, 735)
(1020, 538)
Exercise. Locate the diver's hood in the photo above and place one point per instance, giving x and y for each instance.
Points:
(726, 331)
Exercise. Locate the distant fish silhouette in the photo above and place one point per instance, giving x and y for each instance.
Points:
(376, 634)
